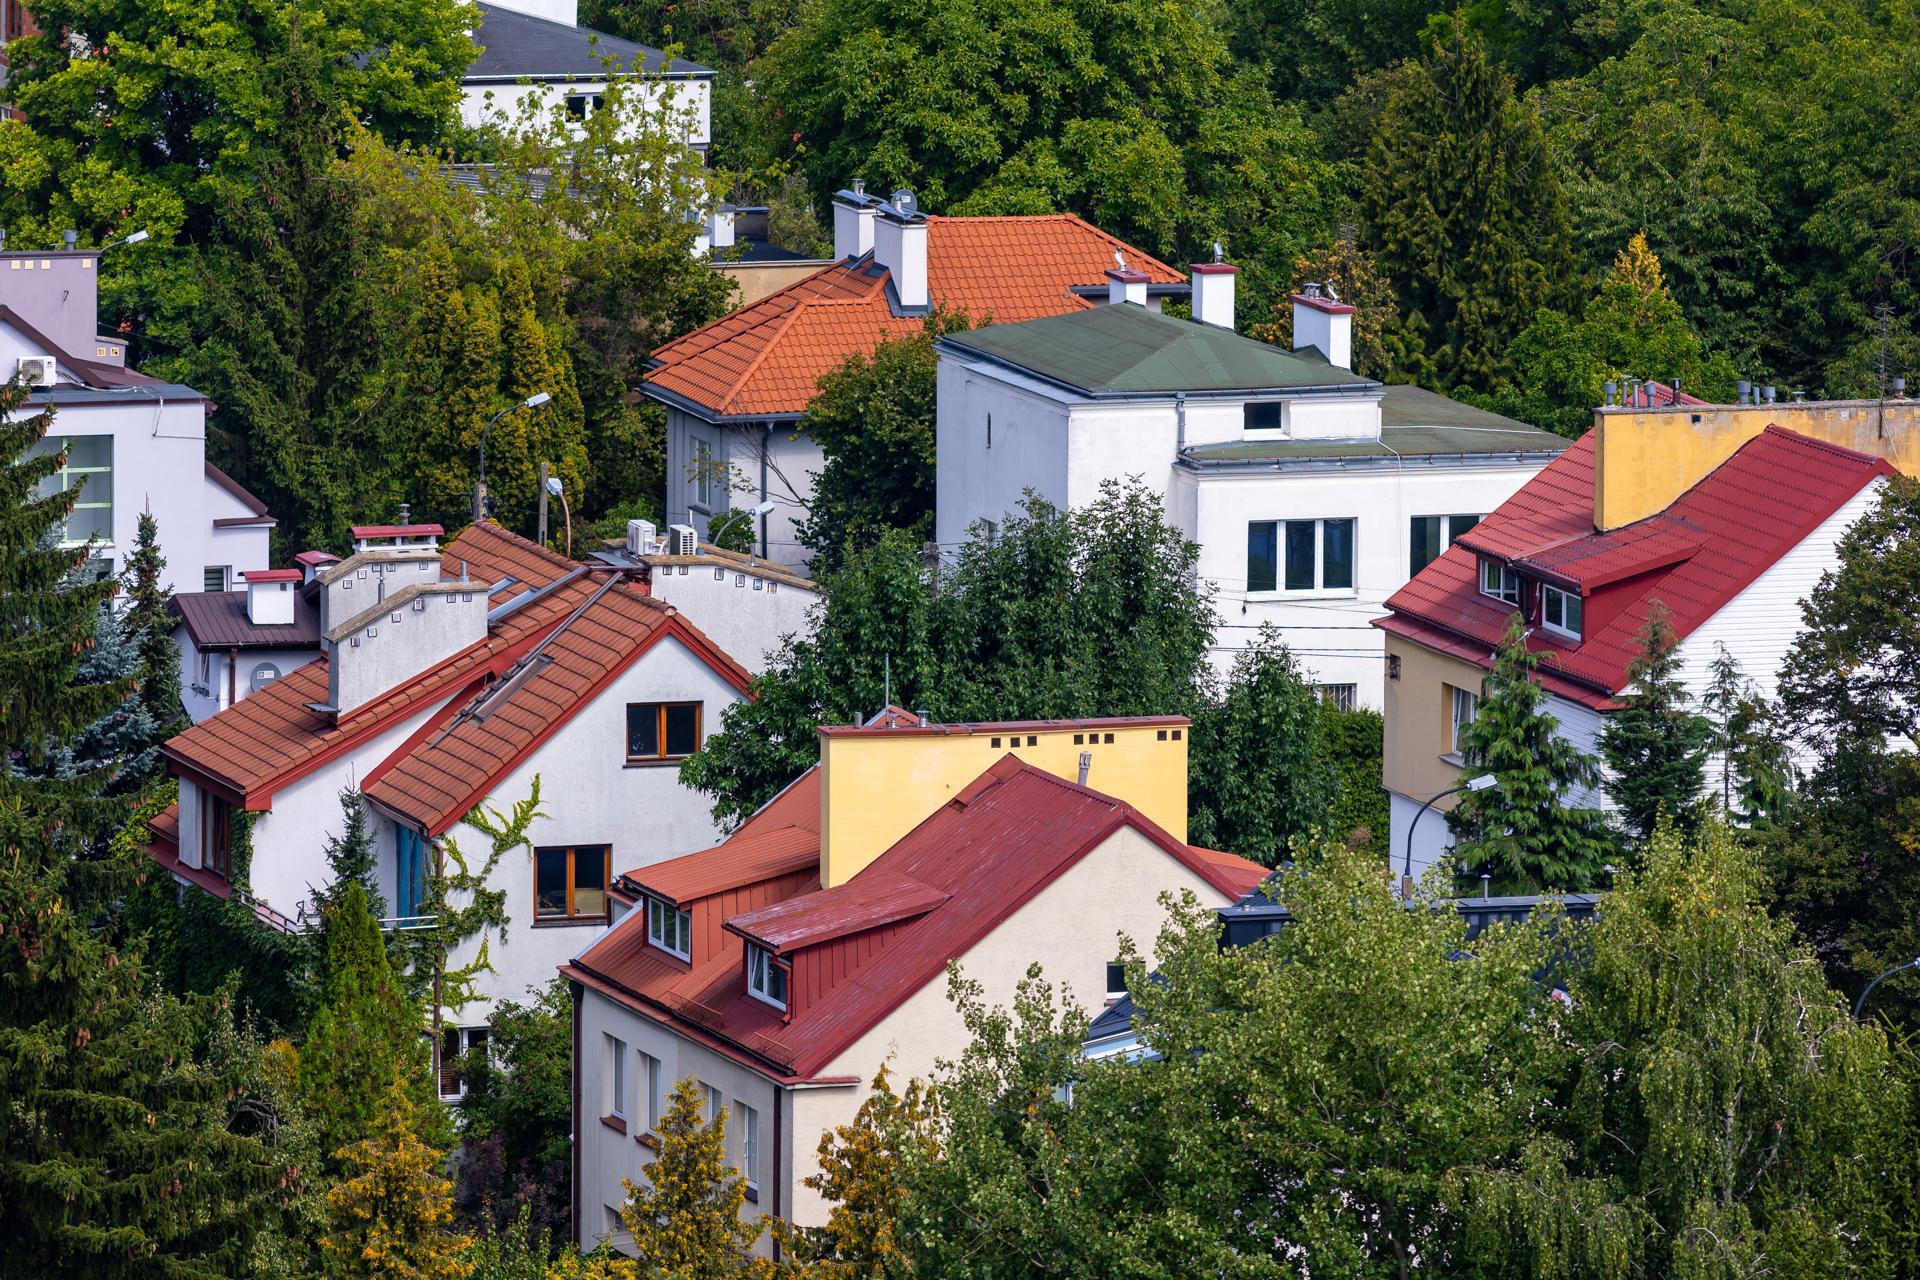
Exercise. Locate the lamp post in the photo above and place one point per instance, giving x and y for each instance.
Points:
(1482, 783)
(559, 491)
(135, 238)
(533, 401)
(1857, 1004)
(754, 512)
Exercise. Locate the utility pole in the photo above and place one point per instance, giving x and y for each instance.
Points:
(542, 487)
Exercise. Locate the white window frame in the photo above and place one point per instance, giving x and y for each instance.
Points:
(1465, 709)
(716, 1102)
(68, 476)
(616, 1077)
(1341, 696)
(749, 1143)
(1550, 597)
(650, 1081)
(762, 964)
(1280, 589)
(1120, 992)
(702, 463)
(1506, 581)
(658, 910)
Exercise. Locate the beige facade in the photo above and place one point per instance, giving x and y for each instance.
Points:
(1417, 757)
(753, 281)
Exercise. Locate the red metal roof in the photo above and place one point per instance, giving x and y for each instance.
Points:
(861, 948)
(766, 357)
(745, 859)
(1707, 546)
(396, 530)
(315, 558)
(218, 620)
(271, 575)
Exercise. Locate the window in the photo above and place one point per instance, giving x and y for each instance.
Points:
(715, 1104)
(989, 431)
(570, 883)
(217, 577)
(650, 1101)
(669, 928)
(456, 1045)
(410, 874)
(1466, 706)
(1431, 535)
(581, 105)
(1302, 555)
(1268, 416)
(1500, 582)
(1116, 980)
(1341, 697)
(616, 1101)
(703, 474)
(749, 1143)
(216, 835)
(662, 731)
(89, 468)
(1561, 611)
(766, 979)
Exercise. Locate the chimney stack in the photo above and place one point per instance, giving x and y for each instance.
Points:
(900, 245)
(1126, 285)
(1213, 288)
(1322, 321)
(720, 228)
(853, 221)
(270, 596)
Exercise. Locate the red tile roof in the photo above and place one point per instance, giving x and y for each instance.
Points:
(766, 357)
(893, 926)
(1710, 544)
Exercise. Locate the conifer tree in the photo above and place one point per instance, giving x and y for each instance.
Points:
(392, 1215)
(862, 1167)
(1655, 746)
(686, 1221)
(1524, 833)
(1757, 776)
(364, 1028)
(352, 858)
(150, 627)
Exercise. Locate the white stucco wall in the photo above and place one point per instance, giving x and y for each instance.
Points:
(791, 461)
(690, 100)
(745, 615)
(203, 676)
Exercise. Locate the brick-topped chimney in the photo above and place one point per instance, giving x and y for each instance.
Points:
(270, 596)
(1321, 320)
(1127, 285)
(1213, 287)
(900, 245)
(853, 221)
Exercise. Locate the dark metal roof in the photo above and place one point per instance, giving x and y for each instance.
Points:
(1126, 350)
(515, 45)
(218, 620)
(239, 494)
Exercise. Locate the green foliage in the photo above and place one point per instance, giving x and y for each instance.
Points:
(149, 626)
(1758, 776)
(352, 858)
(1461, 210)
(863, 1179)
(1355, 743)
(1655, 745)
(1379, 337)
(685, 1221)
(518, 1114)
(1260, 772)
(391, 1214)
(873, 419)
(1523, 832)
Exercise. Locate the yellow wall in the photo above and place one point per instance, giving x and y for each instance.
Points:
(1648, 457)
(877, 785)
(1416, 755)
(753, 281)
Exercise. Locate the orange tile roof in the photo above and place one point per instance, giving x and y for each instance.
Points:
(767, 357)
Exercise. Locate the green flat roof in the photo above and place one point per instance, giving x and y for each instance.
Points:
(1123, 349)
(1413, 421)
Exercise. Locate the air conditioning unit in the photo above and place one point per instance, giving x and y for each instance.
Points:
(38, 371)
(640, 535)
(682, 540)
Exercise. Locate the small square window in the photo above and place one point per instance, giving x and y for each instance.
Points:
(1116, 979)
(662, 731)
(670, 928)
(1108, 739)
(1562, 612)
(570, 883)
(1500, 582)
(1269, 415)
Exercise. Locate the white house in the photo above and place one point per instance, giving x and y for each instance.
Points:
(132, 443)
(747, 605)
(1314, 493)
(451, 678)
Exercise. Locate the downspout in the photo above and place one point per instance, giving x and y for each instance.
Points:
(233, 678)
(766, 446)
(579, 1237)
(779, 1177)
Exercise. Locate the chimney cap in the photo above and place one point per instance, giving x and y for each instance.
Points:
(316, 558)
(1329, 306)
(396, 530)
(1127, 275)
(270, 575)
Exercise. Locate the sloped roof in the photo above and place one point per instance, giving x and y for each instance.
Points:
(512, 45)
(927, 900)
(1705, 548)
(218, 620)
(1130, 350)
(781, 838)
(766, 357)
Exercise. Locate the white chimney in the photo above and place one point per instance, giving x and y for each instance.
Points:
(900, 245)
(1213, 293)
(270, 596)
(720, 229)
(853, 222)
(1127, 285)
(1321, 320)
(398, 636)
(312, 562)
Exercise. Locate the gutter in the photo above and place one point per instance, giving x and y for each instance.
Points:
(950, 347)
(1361, 462)
(674, 400)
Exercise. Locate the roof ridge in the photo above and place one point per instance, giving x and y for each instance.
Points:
(1828, 446)
(759, 306)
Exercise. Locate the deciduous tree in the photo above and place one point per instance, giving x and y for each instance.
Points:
(863, 1179)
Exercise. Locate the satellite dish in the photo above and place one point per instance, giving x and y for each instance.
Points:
(263, 675)
(905, 201)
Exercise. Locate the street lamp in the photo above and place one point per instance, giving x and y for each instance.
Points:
(533, 401)
(559, 491)
(753, 512)
(135, 238)
(1484, 782)
(1911, 964)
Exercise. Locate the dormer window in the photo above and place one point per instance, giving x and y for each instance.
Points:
(670, 928)
(1561, 612)
(766, 979)
(1500, 582)
(1265, 415)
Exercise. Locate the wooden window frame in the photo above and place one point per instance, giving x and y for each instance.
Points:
(606, 884)
(660, 730)
(216, 836)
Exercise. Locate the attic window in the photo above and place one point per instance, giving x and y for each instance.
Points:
(670, 928)
(1500, 582)
(1265, 415)
(766, 979)
(1561, 612)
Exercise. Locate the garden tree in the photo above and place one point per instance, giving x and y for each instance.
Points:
(364, 1029)
(1260, 766)
(118, 1155)
(863, 1179)
(1314, 48)
(1356, 741)
(1757, 773)
(873, 418)
(517, 1116)
(392, 1213)
(1655, 745)
(118, 747)
(1524, 832)
(149, 625)
(1314, 1096)
(1737, 1118)
(352, 859)
(1379, 337)
(686, 1221)
(1057, 615)
(1461, 210)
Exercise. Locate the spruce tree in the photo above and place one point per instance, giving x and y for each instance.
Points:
(352, 858)
(1655, 745)
(1523, 832)
(392, 1214)
(686, 1221)
(1757, 775)
(149, 625)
